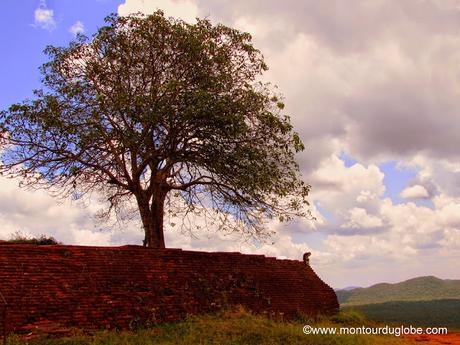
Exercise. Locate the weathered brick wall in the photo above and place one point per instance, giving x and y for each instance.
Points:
(106, 287)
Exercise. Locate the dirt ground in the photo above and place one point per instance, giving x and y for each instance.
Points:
(451, 339)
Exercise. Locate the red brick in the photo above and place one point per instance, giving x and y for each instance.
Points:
(97, 287)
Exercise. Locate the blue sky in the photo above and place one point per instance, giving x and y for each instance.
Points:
(24, 39)
(371, 87)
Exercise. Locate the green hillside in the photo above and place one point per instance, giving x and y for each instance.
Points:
(436, 313)
(417, 289)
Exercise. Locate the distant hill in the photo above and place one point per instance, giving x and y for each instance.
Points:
(427, 301)
(440, 313)
(348, 288)
(417, 289)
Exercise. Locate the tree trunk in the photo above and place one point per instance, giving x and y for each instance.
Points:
(152, 219)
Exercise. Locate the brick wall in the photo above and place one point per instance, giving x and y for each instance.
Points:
(108, 287)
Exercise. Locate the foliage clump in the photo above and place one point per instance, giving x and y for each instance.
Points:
(20, 238)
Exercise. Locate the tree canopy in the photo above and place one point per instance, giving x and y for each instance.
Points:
(169, 114)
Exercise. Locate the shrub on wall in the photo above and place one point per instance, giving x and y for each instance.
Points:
(20, 238)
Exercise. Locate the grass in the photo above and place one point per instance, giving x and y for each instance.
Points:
(235, 327)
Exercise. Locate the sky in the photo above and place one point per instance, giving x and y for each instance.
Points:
(372, 87)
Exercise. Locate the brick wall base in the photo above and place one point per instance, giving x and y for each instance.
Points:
(122, 287)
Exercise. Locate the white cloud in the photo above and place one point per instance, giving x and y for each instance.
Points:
(415, 192)
(365, 196)
(184, 9)
(36, 213)
(443, 174)
(450, 215)
(339, 189)
(358, 218)
(77, 28)
(44, 17)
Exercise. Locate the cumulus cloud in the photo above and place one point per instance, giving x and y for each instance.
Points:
(44, 17)
(344, 191)
(185, 9)
(450, 215)
(77, 28)
(438, 175)
(380, 81)
(36, 212)
(358, 218)
(415, 192)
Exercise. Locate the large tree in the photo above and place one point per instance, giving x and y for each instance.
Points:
(165, 113)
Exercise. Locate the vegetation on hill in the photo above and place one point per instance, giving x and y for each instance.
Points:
(417, 289)
(435, 313)
(423, 301)
(230, 327)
